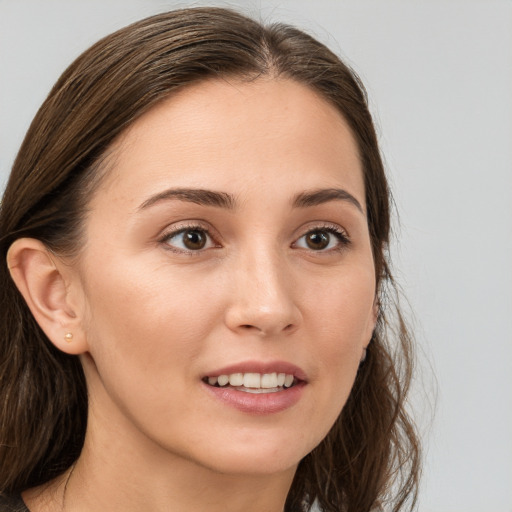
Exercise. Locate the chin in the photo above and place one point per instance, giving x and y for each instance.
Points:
(258, 456)
(245, 465)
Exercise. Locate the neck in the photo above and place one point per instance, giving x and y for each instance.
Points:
(156, 484)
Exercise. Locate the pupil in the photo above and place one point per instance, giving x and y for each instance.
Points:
(317, 240)
(194, 240)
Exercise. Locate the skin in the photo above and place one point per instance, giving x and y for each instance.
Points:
(150, 318)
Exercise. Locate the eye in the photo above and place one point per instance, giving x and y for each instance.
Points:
(189, 239)
(323, 239)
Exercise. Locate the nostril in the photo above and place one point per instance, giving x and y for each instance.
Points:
(250, 327)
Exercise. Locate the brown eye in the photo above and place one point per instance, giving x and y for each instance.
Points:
(190, 239)
(194, 239)
(323, 239)
(317, 240)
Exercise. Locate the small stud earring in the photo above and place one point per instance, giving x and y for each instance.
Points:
(68, 337)
(363, 357)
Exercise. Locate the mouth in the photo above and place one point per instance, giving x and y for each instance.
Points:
(257, 387)
(254, 382)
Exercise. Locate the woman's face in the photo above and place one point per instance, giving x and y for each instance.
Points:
(229, 242)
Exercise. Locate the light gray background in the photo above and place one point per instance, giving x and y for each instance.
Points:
(439, 75)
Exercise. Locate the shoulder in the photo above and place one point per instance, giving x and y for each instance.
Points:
(12, 504)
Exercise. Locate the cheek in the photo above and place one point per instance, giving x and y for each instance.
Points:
(138, 318)
(340, 321)
(342, 309)
(144, 334)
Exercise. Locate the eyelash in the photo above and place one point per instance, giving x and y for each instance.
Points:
(182, 229)
(339, 234)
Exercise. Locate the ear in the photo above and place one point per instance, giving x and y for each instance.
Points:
(372, 323)
(376, 313)
(50, 292)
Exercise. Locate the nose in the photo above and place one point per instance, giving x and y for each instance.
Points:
(263, 301)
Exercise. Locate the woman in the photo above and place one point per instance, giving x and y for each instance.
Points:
(195, 295)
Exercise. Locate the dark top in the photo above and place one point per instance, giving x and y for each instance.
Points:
(12, 504)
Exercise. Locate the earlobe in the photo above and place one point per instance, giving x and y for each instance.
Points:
(373, 317)
(371, 328)
(41, 280)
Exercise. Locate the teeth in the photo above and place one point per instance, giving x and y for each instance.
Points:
(259, 390)
(254, 380)
(269, 380)
(288, 381)
(223, 380)
(236, 379)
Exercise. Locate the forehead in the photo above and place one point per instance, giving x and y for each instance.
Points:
(233, 134)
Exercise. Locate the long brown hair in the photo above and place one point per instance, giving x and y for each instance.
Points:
(370, 458)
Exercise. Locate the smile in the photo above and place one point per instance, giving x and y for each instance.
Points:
(257, 387)
(253, 382)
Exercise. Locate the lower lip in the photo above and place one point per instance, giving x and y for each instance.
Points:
(258, 403)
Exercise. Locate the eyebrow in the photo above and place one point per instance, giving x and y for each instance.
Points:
(224, 200)
(193, 195)
(317, 197)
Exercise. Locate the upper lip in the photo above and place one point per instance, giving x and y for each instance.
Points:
(260, 367)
